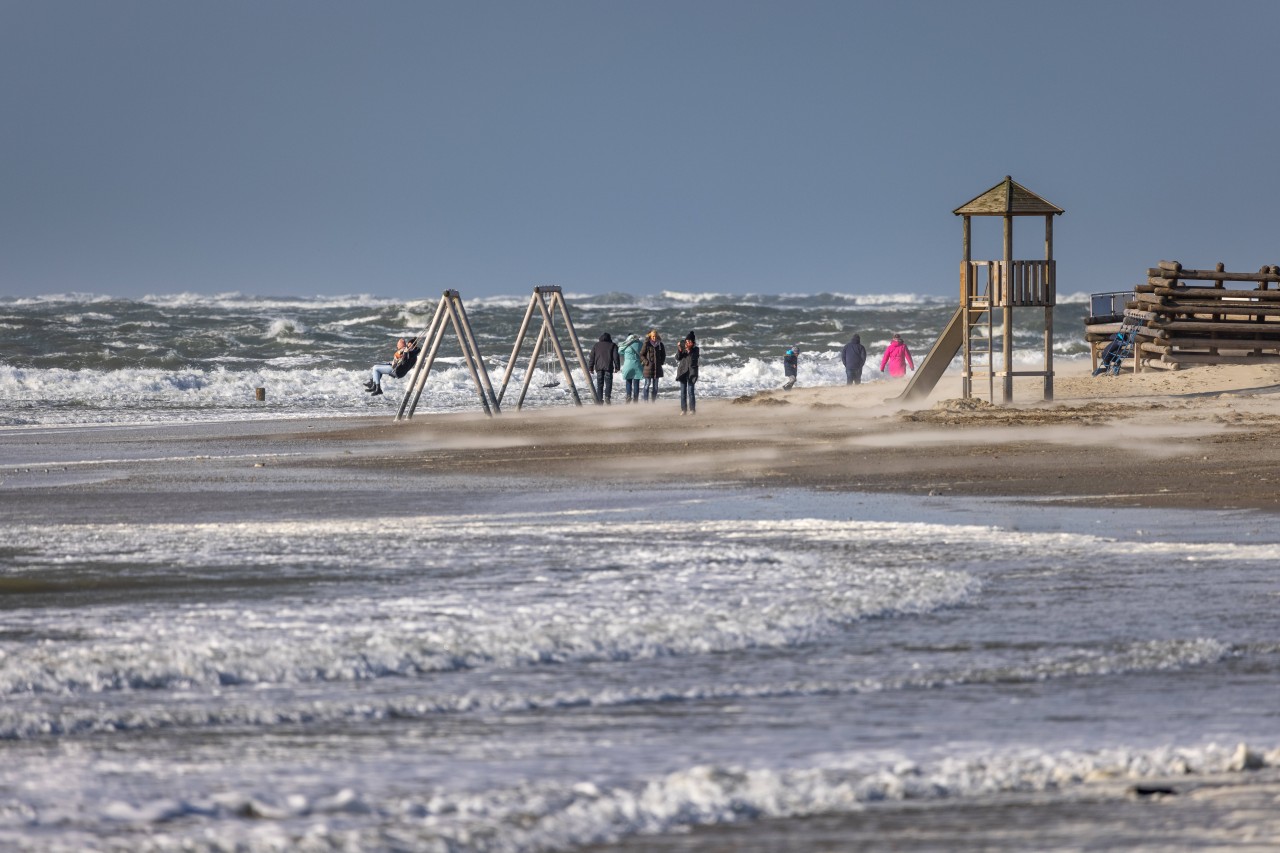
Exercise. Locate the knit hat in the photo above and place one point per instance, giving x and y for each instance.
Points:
(691, 337)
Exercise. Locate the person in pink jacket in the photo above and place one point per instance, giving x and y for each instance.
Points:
(898, 357)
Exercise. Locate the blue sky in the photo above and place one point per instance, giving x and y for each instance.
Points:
(399, 148)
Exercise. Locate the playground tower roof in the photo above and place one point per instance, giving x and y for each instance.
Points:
(1007, 198)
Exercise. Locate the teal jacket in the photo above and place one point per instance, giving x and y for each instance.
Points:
(630, 352)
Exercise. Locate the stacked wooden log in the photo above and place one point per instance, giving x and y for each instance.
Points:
(1232, 318)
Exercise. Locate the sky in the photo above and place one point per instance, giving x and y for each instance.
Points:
(397, 148)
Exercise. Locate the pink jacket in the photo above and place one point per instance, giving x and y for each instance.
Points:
(898, 357)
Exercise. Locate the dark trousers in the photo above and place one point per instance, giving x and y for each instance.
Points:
(651, 388)
(853, 376)
(604, 385)
(633, 390)
(687, 400)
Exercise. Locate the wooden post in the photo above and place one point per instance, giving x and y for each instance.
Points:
(1007, 329)
(418, 378)
(966, 303)
(450, 311)
(533, 364)
(1050, 297)
(555, 346)
(547, 334)
(474, 350)
(515, 351)
(456, 321)
(558, 298)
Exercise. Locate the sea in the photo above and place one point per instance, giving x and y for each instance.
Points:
(205, 646)
(78, 359)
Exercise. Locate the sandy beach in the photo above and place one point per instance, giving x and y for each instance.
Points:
(1193, 439)
(1201, 439)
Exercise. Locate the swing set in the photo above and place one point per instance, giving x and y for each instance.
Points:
(547, 347)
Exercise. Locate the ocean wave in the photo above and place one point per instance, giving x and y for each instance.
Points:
(727, 586)
(24, 720)
(542, 815)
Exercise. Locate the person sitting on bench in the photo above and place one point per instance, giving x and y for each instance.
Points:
(1117, 349)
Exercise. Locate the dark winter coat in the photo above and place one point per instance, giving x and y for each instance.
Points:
(790, 363)
(604, 356)
(405, 360)
(687, 364)
(854, 355)
(652, 355)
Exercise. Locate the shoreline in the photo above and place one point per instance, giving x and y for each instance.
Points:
(1199, 439)
(1205, 438)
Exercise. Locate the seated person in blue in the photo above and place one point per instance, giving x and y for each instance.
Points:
(1114, 353)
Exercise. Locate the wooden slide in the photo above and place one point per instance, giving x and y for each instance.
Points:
(946, 348)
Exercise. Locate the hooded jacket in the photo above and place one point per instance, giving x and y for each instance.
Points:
(854, 355)
(631, 366)
(604, 356)
(898, 357)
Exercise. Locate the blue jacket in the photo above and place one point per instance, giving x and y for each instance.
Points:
(631, 366)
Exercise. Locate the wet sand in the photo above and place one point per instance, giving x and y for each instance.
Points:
(1207, 438)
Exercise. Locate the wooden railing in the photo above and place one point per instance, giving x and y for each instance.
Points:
(1013, 283)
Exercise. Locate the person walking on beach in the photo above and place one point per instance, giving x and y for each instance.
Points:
(790, 366)
(897, 357)
(406, 356)
(632, 370)
(687, 353)
(853, 356)
(652, 356)
(602, 363)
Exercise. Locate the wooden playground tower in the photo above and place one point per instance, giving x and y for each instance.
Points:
(987, 287)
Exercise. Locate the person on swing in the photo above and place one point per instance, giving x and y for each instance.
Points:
(406, 356)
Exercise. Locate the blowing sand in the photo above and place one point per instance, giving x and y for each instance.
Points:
(1206, 437)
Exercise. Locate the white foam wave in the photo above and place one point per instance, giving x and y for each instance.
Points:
(747, 590)
(246, 302)
(26, 720)
(722, 587)
(563, 815)
(287, 329)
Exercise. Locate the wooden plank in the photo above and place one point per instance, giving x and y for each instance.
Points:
(1240, 327)
(1207, 358)
(1211, 275)
(1202, 307)
(1203, 292)
(1219, 343)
